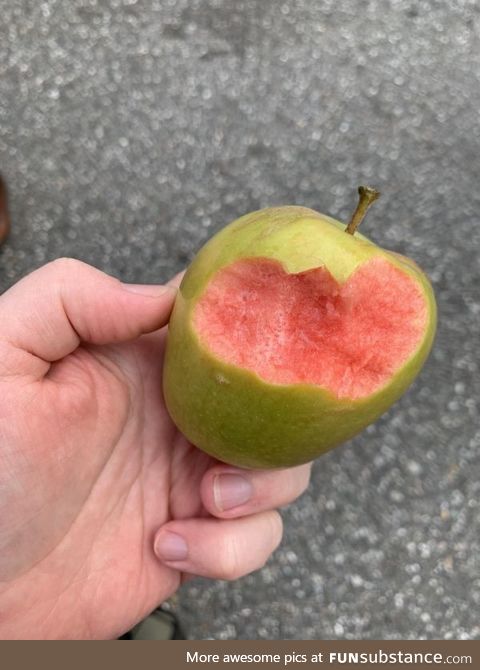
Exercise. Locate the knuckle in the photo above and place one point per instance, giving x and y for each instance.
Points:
(233, 563)
(229, 562)
(274, 534)
(64, 265)
(276, 529)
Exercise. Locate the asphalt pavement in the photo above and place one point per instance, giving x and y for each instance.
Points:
(130, 132)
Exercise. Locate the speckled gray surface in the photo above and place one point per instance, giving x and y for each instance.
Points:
(130, 132)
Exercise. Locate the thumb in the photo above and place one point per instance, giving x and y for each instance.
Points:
(51, 311)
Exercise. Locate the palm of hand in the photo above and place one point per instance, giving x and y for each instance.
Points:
(92, 470)
(97, 474)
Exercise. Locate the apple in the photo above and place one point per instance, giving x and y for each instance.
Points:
(290, 334)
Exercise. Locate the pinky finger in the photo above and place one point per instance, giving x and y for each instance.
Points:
(219, 549)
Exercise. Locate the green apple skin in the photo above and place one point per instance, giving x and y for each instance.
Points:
(231, 413)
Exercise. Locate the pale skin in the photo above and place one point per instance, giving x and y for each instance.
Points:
(96, 484)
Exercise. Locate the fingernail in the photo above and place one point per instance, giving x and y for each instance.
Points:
(149, 290)
(230, 490)
(171, 547)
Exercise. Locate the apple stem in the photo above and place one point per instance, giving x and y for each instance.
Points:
(367, 196)
(4, 218)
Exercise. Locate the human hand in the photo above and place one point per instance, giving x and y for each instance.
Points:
(105, 507)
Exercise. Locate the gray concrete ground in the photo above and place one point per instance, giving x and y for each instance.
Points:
(130, 132)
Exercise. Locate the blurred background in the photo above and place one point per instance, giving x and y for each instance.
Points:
(131, 131)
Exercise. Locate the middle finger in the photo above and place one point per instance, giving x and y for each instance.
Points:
(229, 492)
